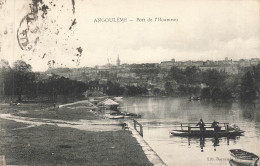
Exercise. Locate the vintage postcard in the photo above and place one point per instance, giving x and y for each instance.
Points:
(130, 82)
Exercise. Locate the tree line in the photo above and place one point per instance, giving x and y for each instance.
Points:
(113, 88)
(20, 82)
(213, 84)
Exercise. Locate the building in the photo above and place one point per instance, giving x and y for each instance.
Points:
(126, 75)
(167, 64)
(254, 61)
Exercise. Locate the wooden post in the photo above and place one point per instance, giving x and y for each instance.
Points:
(189, 129)
(141, 130)
(227, 127)
(181, 127)
(140, 127)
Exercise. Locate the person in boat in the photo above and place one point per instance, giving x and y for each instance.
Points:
(216, 126)
(202, 125)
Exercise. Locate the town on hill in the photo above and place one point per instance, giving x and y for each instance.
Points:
(215, 80)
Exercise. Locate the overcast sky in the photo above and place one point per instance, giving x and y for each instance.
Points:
(206, 29)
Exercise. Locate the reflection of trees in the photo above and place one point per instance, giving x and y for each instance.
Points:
(248, 91)
(248, 110)
(257, 114)
(223, 105)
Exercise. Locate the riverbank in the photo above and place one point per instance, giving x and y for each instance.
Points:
(24, 144)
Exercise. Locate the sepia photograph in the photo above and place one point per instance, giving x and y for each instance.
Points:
(129, 82)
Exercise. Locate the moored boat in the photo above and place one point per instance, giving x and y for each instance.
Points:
(130, 115)
(196, 98)
(191, 130)
(243, 157)
(115, 117)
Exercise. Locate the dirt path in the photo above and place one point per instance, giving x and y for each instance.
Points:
(88, 125)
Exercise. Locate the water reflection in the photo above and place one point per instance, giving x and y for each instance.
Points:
(225, 105)
(160, 115)
(202, 143)
(215, 141)
(249, 110)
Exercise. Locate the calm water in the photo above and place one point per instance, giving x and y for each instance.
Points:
(160, 114)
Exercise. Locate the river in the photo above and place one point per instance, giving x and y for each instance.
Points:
(159, 115)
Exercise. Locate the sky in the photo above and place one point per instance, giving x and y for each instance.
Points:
(66, 34)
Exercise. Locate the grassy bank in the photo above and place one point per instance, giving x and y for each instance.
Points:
(53, 145)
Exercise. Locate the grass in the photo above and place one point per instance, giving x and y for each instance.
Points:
(53, 145)
(47, 111)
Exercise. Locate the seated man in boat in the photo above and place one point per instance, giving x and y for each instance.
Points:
(202, 125)
(216, 126)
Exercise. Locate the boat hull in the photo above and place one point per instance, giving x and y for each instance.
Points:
(116, 117)
(242, 157)
(235, 163)
(239, 162)
(206, 134)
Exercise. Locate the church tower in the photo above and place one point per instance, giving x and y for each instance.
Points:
(118, 61)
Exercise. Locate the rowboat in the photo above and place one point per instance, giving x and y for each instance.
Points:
(189, 129)
(196, 98)
(121, 115)
(233, 163)
(130, 115)
(243, 157)
(115, 116)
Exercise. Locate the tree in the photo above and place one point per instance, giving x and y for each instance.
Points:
(135, 90)
(193, 74)
(61, 86)
(20, 80)
(22, 66)
(205, 93)
(196, 90)
(248, 92)
(4, 73)
(256, 75)
(168, 88)
(177, 75)
(156, 91)
(216, 94)
(232, 84)
(183, 89)
(4, 64)
(226, 95)
(114, 89)
(214, 78)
